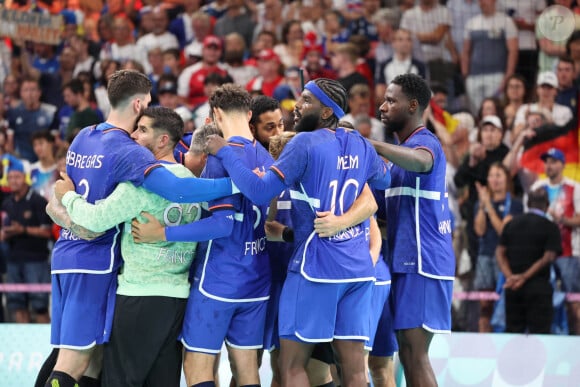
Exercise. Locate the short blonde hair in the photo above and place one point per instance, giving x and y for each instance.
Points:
(278, 142)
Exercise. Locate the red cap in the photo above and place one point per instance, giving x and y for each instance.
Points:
(212, 40)
(268, 54)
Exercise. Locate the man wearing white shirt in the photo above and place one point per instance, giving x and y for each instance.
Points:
(158, 37)
(490, 53)
(402, 62)
(524, 14)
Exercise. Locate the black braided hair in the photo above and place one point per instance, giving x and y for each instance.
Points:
(335, 91)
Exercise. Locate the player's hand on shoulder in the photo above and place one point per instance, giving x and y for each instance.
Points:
(152, 231)
(214, 143)
(63, 186)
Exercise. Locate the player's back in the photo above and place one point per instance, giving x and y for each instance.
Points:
(337, 166)
(236, 267)
(98, 159)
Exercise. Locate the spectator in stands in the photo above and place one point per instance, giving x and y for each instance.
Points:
(27, 230)
(190, 82)
(487, 150)
(344, 59)
(269, 17)
(28, 117)
(461, 11)
(234, 52)
(44, 58)
(359, 101)
(83, 115)
(237, 18)
(495, 207)
(564, 209)
(524, 14)
(210, 83)
(527, 246)
(430, 22)
(401, 62)
(489, 32)
(567, 89)
(546, 90)
(386, 23)
(181, 26)
(361, 23)
(269, 76)
(11, 88)
(290, 49)
(265, 40)
(158, 37)
(335, 31)
(84, 60)
(171, 61)
(215, 9)
(122, 46)
(315, 64)
(43, 173)
(515, 96)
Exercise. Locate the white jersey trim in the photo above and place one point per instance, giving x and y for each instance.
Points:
(436, 330)
(297, 195)
(258, 346)
(362, 338)
(328, 340)
(77, 347)
(382, 283)
(218, 298)
(197, 349)
(89, 271)
(326, 280)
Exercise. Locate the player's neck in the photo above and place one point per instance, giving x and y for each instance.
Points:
(122, 120)
(411, 127)
(236, 125)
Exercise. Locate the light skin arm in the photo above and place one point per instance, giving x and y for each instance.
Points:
(433, 37)
(123, 204)
(327, 224)
(551, 48)
(510, 160)
(465, 57)
(414, 160)
(512, 60)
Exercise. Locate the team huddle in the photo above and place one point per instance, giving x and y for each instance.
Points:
(156, 268)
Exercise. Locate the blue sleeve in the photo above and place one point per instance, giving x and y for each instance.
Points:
(260, 190)
(380, 173)
(185, 190)
(220, 224)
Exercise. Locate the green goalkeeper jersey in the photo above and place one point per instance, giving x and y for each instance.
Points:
(149, 269)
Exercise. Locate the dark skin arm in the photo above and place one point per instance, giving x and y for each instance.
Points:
(414, 160)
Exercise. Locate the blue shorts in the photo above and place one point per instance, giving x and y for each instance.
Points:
(421, 302)
(82, 309)
(314, 312)
(568, 270)
(28, 273)
(271, 337)
(486, 273)
(385, 343)
(379, 299)
(209, 322)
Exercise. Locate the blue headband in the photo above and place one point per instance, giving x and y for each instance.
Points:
(324, 99)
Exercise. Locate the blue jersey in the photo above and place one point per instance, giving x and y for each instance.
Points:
(281, 252)
(236, 268)
(98, 159)
(417, 208)
(326, 170)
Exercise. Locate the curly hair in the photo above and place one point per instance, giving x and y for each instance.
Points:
(414, 87)
(230, 98)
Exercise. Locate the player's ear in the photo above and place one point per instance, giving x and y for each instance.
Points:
(326, 113)
(249, 115)
(413, 106)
